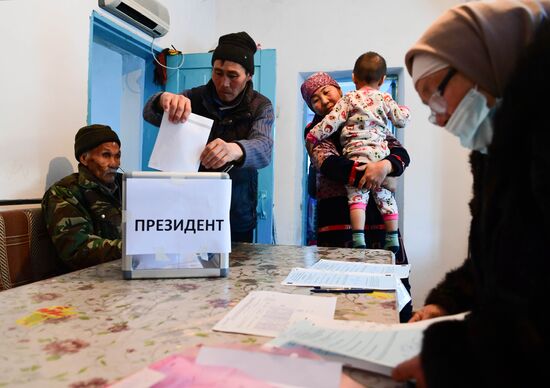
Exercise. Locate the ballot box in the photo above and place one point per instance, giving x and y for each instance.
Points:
(175, 225)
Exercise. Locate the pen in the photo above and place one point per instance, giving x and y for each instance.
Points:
(319, 290)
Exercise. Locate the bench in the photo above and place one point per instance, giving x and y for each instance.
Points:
(26, 251)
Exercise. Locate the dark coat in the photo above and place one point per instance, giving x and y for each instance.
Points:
(83, 219)
(248, 124)
(235, 125)
(504, 342)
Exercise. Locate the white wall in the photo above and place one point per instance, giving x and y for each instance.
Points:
(44, 72)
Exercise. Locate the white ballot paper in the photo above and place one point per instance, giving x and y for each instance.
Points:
(364, 345)
(333, 279)
(277, 370)
(320, 278)
(400, 271)
(178, 146)
(267, 313)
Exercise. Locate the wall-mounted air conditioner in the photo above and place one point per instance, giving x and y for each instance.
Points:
(148, 15)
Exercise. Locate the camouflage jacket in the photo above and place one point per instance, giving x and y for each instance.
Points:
(84, 219)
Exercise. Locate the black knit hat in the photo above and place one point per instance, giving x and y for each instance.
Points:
(237, 47)
(90, 136)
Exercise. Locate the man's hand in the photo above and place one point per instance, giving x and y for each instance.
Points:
(217, 153)
(410, 370)
(427, 312)
(177, 106)
(374, 174)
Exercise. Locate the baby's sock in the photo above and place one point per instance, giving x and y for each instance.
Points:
(392, 241)
(358, 239)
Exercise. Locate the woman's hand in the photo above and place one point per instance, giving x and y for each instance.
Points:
(374, 174)
(427, 312)
(410, 370)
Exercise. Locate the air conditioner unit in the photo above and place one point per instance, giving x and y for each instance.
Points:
(148, 15)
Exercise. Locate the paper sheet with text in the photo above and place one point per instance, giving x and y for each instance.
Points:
(321, 278)
(334, 279)
(267, 313)
(400, 271)
(366, 345)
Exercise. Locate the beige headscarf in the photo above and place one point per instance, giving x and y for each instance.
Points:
(482, 40)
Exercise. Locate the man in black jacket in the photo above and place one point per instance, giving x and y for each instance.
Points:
(241, 135)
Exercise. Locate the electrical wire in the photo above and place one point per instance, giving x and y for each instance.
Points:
(166, 67)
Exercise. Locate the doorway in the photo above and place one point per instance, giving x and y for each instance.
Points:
(309, 204)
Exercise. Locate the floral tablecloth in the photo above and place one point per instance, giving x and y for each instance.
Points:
(91, 328)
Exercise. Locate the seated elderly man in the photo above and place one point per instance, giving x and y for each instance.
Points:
(83, 211)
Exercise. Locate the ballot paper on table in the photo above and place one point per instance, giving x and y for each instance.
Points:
(333, 278)
(267, 313)
(339, 279)
(400, 271)
(369, 346)
(178, 146)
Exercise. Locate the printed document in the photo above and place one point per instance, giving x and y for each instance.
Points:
(321, 278)
(370, 346)
(386, 278)
(178, 146)
(267, 313)
(400, 271)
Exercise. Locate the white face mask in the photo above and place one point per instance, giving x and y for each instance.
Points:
(471, 122)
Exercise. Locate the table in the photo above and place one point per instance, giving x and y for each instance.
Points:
(109, 328)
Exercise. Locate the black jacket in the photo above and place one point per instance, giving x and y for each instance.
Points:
(248, 124)
(234, 125)
(504, 342)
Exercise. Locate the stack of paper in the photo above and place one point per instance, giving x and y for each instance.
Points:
(268, 313)
(343, 274)
(370, 346)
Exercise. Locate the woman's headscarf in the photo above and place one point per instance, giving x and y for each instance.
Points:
(314, 82)
(482, 40)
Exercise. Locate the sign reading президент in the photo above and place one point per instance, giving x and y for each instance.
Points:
(177, 216)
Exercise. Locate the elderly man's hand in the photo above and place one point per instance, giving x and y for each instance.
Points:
(217, 153)
(177, 106)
